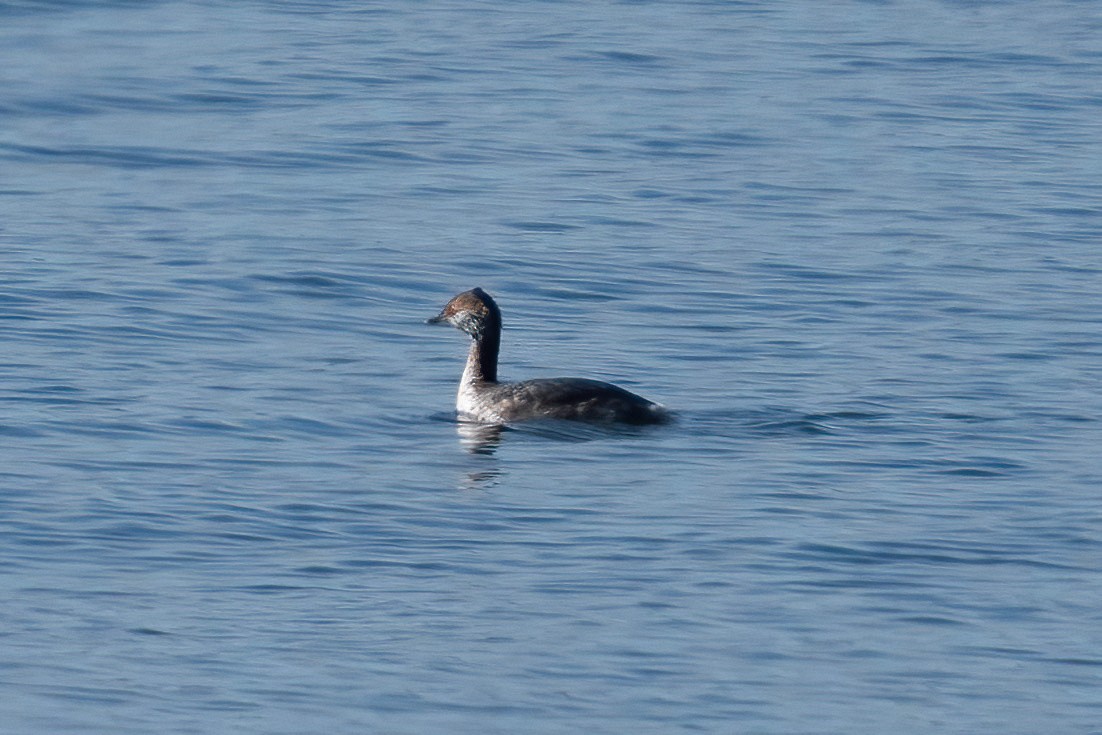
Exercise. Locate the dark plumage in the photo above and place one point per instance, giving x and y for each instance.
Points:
(482, 398)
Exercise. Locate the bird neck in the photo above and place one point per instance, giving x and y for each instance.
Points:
(482, 359)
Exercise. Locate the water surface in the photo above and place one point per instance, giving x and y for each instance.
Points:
(854, 246)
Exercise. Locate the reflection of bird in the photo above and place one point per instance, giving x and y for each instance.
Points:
(482, 398)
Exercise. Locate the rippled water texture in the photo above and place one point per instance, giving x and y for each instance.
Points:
(854, 245)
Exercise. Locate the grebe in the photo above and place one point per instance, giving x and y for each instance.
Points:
(482, 398)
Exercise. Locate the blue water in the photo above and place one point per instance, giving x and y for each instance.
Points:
(856, 246)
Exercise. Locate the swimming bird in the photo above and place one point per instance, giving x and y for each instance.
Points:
(482, 398)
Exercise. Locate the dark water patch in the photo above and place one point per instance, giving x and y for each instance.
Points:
(152, 101)
(804, 273)
(132, 529)
(970, 472)
(882, 554)
(780, 422)
(152, 632)
(144, 157)
(330, 77)
(931, 620)
(51, 107)
(209, 101)
(983, 467)
(968, 418)
(376, 149)
(313, 285)
(534, 226)
(271, 589)
(116, 429)
(613, 222)
(17, 8)
(404, 564)
(127, 157)
(61, 395)
(733, 139)
(319, 571)
(676, 148)
(318, 280)
(581, 290)
(209, 427)
(630, 58)
(1072, 661)
(19, 431)
(25, 313)
(88, 695)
